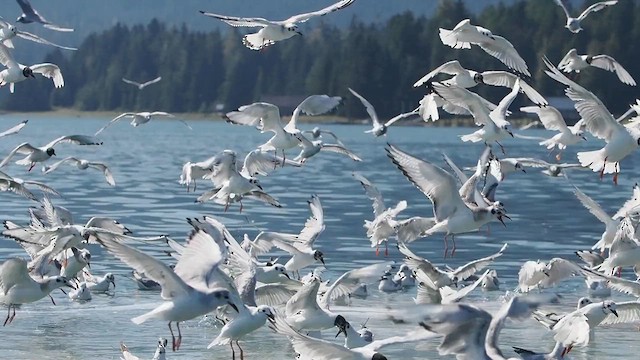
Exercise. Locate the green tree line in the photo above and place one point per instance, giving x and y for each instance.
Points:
(381, 61)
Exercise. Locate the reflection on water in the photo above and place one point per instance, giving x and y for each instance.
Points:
(547, 221)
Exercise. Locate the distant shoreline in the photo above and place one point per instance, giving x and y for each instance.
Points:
(331, 119)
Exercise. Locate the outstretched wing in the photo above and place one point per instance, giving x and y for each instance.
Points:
(300, 18)
(238, 21)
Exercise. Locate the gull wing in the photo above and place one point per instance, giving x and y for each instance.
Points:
(152, 81)
(419, 263)
(264, 116)
(350, 280)
(35, 38)
(597, 118)
(123, 115)
(503, 50)
(313, 105)
(300, 18)
(74, 139)
(628, 312)
(564, 8)
(452, 67)
(13, 272)
(312, 348)
(105, 170)
(259, 162)
(626, 207)
(500, 112)
(55, 165)
(305, 298)
(370, 109)
(372, 193)
(24, 148)
(608, 63)
(466, 99)
(51, 71)
(172, 285)
(131, 82)
(198, 264)
(507, 79)
(400, 117)
(436, 183)
(592, 206)
(6, 58)
(314, 226)
(549, 116)
(14, 130)
(465, 271)
(339, 149)
(572, 330)
(596, 7)
(238, 21)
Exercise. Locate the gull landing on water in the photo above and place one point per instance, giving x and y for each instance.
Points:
(273, 31)
(573, 24)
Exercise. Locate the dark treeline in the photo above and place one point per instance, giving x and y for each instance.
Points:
(382, 61)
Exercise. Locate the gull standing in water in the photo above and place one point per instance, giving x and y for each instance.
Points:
(140, 118)
(379, 128)
(273, 31)
(621, 140)
(574, 24)
(574, 62)
(44, 153)
(190, 290)
(18, 287)
(452, 215)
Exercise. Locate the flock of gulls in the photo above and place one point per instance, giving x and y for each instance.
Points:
(216, 273)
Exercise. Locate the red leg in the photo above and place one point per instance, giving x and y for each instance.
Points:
(453, 251)
(173, 338)
(179, 336)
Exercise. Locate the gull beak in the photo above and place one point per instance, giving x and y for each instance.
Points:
(233, 306)
(510, 133)
(287, 275)
(322, 261)
(299, 33)
(341, 330)
(583, 138)
(501, 220)
(614, 312)
(113, 282)
(71, 286)
(271, 317)
(523, 170)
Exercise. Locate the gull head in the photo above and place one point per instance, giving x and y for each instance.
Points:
(22, 19)
(51, 152)
(110, 278)
(60, 281)
(267, 311)
(162, 345)
(478, 78)
(498, 211)
(27, 72)
(584, 301)
(293, 28)
(638, 141)
(319, 256)
(342, 324)
(12, 29)
(222, 297)
(85, 256)
(609, 306)
(281, 269)
(573, 25)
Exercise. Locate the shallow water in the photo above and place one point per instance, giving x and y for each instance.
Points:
(547, 222)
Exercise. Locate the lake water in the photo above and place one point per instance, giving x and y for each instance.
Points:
(146, 161)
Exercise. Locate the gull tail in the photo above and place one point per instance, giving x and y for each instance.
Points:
(256, 41)
(219, 341)
(592, 159)
(471, 137)
(450, 38)
(142, 318)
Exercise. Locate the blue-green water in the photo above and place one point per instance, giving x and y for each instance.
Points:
(146, 161)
